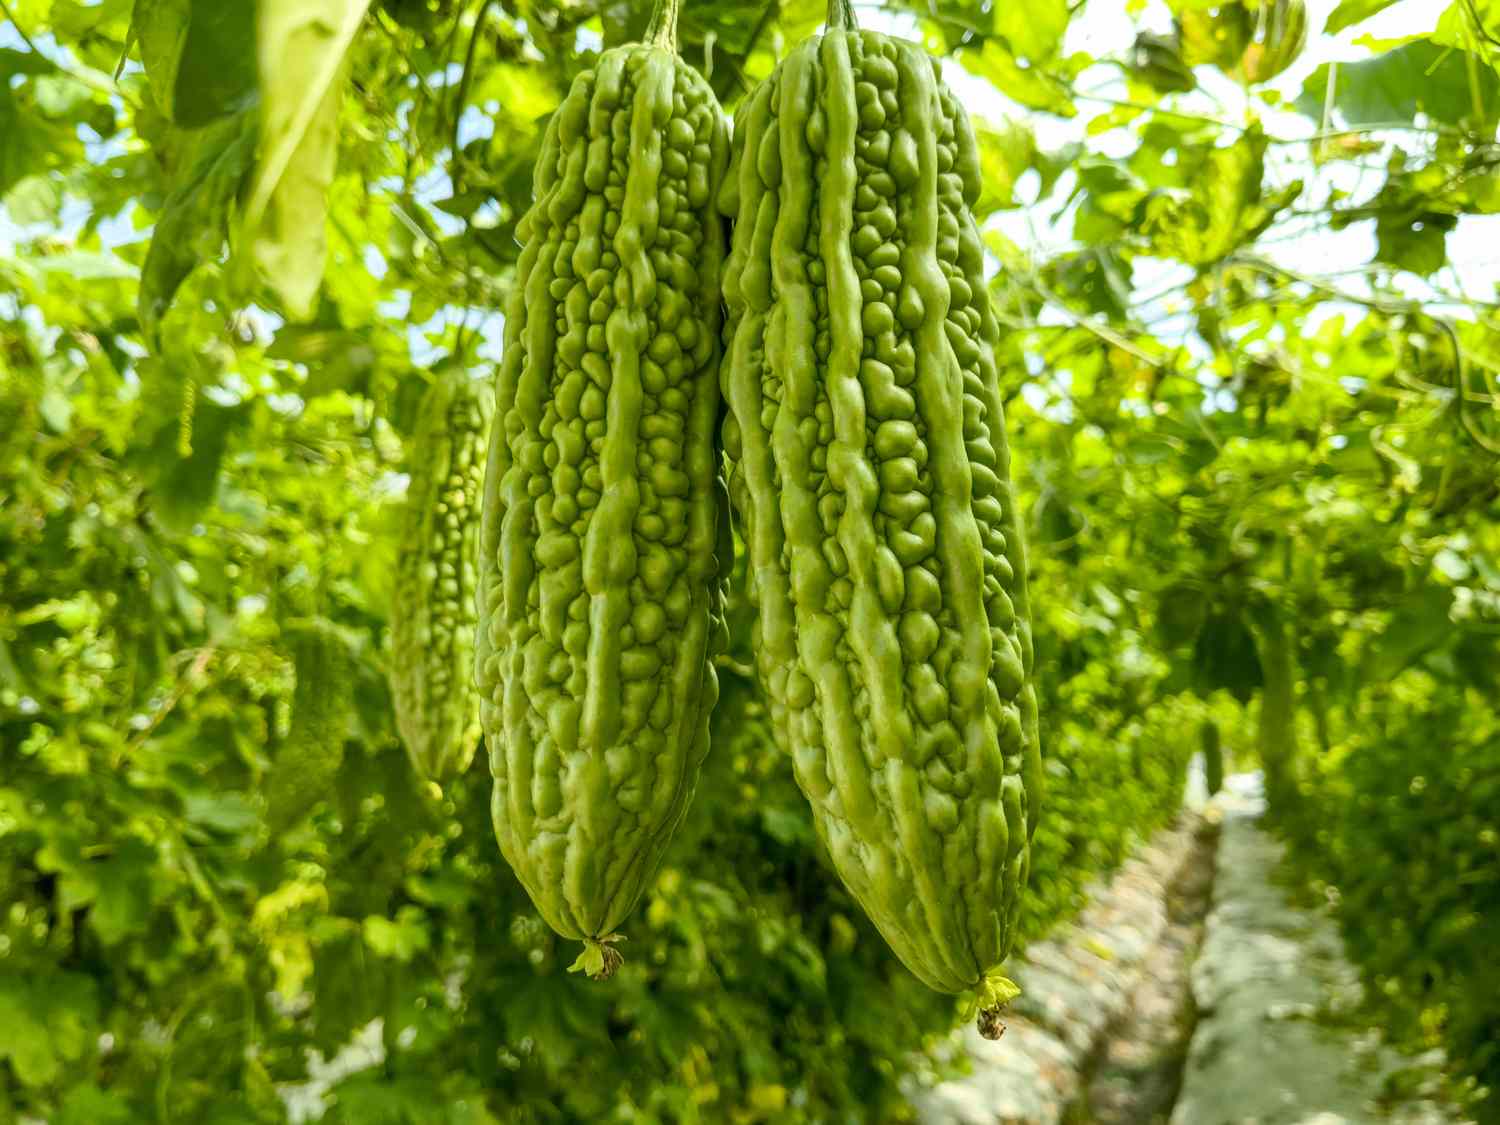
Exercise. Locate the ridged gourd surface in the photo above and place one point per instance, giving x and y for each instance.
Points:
(870, 468)
(605, 514)
(437, 573)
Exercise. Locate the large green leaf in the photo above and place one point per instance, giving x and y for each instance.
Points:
(1033, 30)
(301, 47)
(1413, 630)
(1445, 84)
(46, 1019)
(195, 54)
(195, 219)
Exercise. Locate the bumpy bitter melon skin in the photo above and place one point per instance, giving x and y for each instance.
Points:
(323, 699)
(871, 474)
(433, 615)
(605, 530)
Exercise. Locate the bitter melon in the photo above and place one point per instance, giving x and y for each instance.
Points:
(322, 701)
(1249, 40)
(605, 531)
(870, 469)
(433, 614)
(1278, 32)
(1213, 757)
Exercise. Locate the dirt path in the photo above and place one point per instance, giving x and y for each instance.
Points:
(1279, 1039)
(1136, 1077)
(1191, 991)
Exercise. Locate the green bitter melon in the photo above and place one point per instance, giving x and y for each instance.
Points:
(870, 469)
(433, 614)
(322, 701)
(1213, 757)
(605, 530)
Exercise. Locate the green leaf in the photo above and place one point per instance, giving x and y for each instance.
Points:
(46, 1019)
(1413, 630)
(87, 1104)
(23, 1036)
(215, 72)
(197, 58)
(229, 813)
(336, 359)
(1469, 21)
(1028, 85)
(35, 199)
(1035, 29)
(160, 27)
(1005, 153)
(1351, 12)
(301, 48)
(1181, 611)
(1224, 209)
(1416, 242)
(400, 939)
(1097, 279)
(25, 149)
(1157, 61)
(194, 222)
(1446, 84)
(183, 482)
(123, 901)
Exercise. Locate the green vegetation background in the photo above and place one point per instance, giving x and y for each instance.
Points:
(1253, 494)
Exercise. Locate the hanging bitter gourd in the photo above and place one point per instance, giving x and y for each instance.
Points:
(433, 613)
(1277, 34)
(605, 530)
(1213, 757)
(306, 764)
(1249, 40)
(870, 470)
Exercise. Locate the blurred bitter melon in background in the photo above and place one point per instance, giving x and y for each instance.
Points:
(605, 534)
(305, 765)
(433, 614)
(1213, 757)
(870, 467)
(1249, 40)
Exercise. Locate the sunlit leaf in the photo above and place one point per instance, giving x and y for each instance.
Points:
(1035, 30)
(301, 49)
(194, 221)
(194, 53)
(1351, 12)
(1420, 77)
